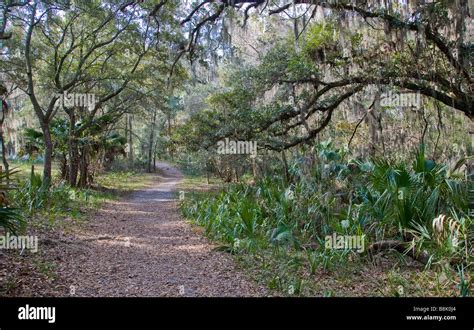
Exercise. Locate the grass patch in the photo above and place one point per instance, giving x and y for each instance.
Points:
(199, 183)
(24, 168)
(123, 181)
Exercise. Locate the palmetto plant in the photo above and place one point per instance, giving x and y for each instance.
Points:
(450, 239)
(32, 196)
(33, 141)
(10, 218)
(423, 205)
(412, 196)
(382, 200)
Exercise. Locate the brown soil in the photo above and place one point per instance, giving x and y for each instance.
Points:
(140, 246)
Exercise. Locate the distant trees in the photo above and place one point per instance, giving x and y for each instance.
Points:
(62, 53)
(358, 48)
(129, 52)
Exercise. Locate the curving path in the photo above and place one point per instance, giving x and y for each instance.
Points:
(140, 246)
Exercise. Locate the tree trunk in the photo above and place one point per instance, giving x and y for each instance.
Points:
(130, 141)
(285, 164)
(4, 155)
(44, 118)
(64, 169)
(83, 168)
(74, 159)
(4, 151)
(170, 149)
(470, 170)
(73, 149)
(48, 154)
(154, 156)
(375, 126)
(236, 173)
(151, 140)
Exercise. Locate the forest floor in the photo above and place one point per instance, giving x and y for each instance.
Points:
(137, 245)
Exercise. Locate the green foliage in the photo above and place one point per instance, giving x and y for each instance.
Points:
(413, 195)
(379, 199)
(11, 219)
(32, 196)
(320, 35)
(33, 141)
(464, 284)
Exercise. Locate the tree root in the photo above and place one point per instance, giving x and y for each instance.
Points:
(402, 247)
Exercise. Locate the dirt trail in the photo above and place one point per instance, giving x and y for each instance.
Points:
(139, 246)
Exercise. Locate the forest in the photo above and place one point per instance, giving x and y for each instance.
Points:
(237, 148)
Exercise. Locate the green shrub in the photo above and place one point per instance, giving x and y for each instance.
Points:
(11, 219)
(31, 196)
(379, 199)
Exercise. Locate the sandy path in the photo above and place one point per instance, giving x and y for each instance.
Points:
(140, 246)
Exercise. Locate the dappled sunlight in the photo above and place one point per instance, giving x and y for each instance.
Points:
(237, 148)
